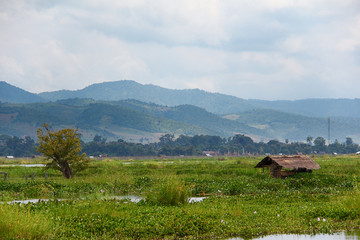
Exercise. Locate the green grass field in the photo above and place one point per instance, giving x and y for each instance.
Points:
(241, 200)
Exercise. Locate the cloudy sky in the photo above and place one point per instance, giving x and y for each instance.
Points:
(263, 49)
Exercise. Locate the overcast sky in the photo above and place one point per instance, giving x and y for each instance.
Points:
(262, 49)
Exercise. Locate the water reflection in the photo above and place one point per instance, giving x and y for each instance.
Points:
(336, 236)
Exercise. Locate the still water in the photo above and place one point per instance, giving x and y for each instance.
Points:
(131, 198)
(23, 165)
(336, 236)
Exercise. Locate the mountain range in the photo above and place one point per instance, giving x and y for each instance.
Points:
(12, 94)
(135, 112)
(213, 102)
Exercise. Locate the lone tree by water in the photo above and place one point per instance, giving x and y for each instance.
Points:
(63, 149)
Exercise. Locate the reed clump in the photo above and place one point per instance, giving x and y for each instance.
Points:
(169, 193)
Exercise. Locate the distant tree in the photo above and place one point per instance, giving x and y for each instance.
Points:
(336, 147)
(241, 139)
(166, 139)
(99, 139)
(20, 146)
(320, 141)
(348, 141)
(320, 144)
(273, 147)
(350, 146)
(63, 149)
(309, 140)
(183, 140)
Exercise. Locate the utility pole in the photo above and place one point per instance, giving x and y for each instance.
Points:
(329, 130)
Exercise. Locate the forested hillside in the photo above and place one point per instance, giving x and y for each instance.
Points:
(212, 102)
(137, 121)
(153, 110)
(107, 120)
(121, 90)
(12, 94)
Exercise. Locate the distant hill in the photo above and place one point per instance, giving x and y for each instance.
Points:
(112, 121)
(136, 121)
(131, 110)
(283, 126)
(260, 124)
(212, 102)
(126, 89)
(195, 116)
(313, 107)
(12, 94)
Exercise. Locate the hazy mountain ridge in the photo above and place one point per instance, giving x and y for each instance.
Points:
(126, 89)
(281, 125)
(314, 107)
(262, 119)
(265, 124)
(12, 94)
(213, 102)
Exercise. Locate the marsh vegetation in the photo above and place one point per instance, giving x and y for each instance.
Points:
(241, 201)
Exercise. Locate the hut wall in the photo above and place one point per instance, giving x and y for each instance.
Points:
(275, 170)
(285, 174)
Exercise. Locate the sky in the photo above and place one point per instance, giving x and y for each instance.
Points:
(252, 49)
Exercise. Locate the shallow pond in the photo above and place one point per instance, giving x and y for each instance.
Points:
(23, 165)
(131, 198)
(336, 236)
(137, 199)
(196, 199)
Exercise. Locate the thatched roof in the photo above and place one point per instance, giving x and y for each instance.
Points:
(289, 162)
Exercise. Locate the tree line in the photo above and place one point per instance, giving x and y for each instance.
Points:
(168, 145)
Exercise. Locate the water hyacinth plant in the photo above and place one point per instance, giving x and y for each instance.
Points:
(240, 200)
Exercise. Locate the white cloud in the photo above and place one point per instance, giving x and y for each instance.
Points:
(9, 66)
(244, 48)
(294, 44)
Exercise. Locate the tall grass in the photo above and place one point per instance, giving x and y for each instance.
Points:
(169, 193)
(19, 223)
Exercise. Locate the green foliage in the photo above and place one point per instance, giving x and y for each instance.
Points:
(17, 222)
(241, 200)
(62, 148)
(18, 147)
(170, 193)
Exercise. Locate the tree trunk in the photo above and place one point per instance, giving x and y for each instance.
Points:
(66, 171)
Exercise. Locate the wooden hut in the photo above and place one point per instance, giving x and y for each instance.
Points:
(282, 166)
